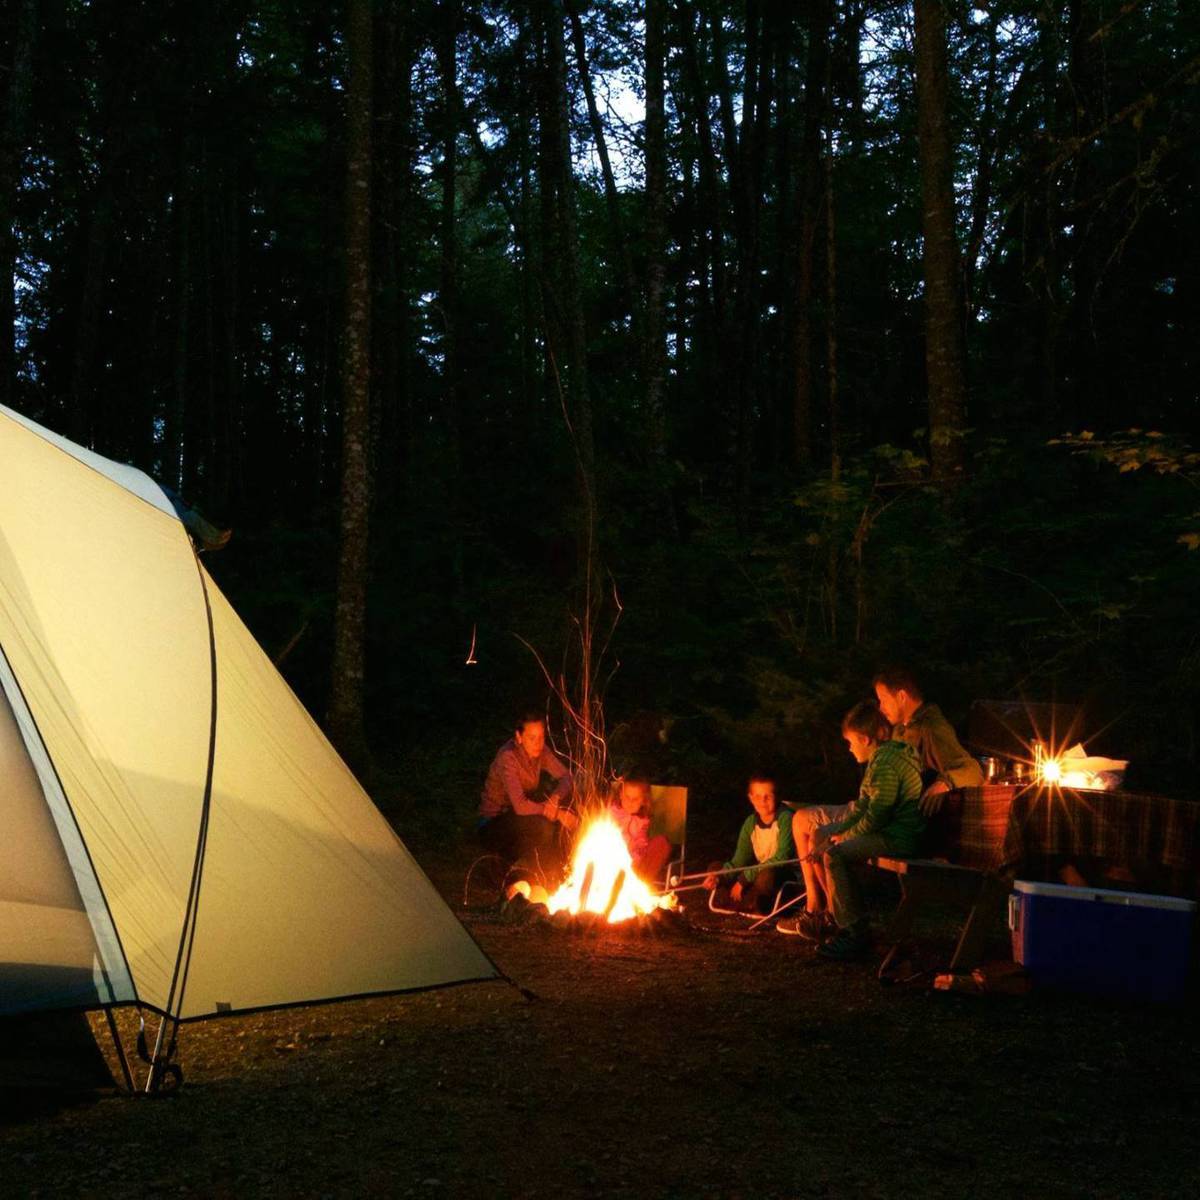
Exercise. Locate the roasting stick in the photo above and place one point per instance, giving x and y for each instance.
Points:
(679, 884)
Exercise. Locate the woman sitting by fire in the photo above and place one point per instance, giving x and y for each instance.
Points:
(629, 810)
(523, 813)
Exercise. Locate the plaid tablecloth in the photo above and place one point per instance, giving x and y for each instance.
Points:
(1002, 828)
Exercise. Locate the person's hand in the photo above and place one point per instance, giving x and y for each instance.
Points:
(710, 883)
(735, 892)
(550, 809)
(835, 838)
(567, 819)
(935, 796)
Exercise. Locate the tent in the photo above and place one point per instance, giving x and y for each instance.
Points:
(177, 832)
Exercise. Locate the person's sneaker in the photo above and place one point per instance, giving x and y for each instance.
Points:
(844, 946)
(811, 926)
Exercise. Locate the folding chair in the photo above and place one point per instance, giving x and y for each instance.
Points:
(668, 816)
(793, 889)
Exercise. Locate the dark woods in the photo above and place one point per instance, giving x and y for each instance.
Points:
(774, 306)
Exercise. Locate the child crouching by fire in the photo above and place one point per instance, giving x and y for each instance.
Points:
(629, 810)
(764, 842)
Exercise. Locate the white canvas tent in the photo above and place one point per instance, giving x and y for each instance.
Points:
(177, 832)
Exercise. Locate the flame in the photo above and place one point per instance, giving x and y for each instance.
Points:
(600, 857)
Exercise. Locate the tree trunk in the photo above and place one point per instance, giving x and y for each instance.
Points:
(611, 197)
(12, 152)
(654, 346)
(944, 350)
(810, 191)
(450, 16)
(981, 195)
(1089, 248)
(346, 693)
(713, 314)
(831, 331)
(560, 264)
(393, 431)
(175, 439)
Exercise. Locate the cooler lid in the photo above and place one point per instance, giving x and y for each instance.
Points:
(1103, 895)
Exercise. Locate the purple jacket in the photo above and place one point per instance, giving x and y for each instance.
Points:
(513, 777)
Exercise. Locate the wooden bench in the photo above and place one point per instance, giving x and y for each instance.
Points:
(925, 881)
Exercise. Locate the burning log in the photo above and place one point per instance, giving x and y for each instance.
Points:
(585, 888)
(615, 894)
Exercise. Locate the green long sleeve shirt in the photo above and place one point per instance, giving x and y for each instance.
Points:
(938, 748)
(887, 799)
(744, 853)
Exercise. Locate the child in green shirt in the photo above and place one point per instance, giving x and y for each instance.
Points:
(764, 842)
(885, 819)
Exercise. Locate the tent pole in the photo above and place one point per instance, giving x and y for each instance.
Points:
(122, 1058)
(152, 1078)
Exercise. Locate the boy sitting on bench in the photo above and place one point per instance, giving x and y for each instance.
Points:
(885, 819)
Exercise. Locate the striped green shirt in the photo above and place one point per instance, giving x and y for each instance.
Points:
(887, 798)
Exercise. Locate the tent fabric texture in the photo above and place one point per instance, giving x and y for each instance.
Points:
(178, 831)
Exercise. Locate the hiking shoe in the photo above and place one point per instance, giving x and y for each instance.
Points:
(811, 926)
(844, 946)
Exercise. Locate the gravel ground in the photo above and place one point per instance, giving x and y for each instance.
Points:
(697, 1062)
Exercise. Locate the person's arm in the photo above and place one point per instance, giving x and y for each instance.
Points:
(556, 769)
(878, 795)
(955, 767)
(514, 789)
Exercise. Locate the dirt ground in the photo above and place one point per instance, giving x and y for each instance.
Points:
(699, 1062)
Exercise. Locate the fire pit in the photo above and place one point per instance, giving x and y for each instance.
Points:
(601, 889)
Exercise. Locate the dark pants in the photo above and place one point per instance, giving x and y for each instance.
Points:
(846, 899)
(757, 897)
(531, 842)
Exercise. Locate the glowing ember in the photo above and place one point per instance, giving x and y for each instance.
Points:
(602, 879)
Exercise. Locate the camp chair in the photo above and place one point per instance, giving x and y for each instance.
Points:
(668, 816)
(790, 893)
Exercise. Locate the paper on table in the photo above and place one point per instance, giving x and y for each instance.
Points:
(1078, 759)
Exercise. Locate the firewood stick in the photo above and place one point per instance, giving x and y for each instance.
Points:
(615, 894)
(586, 886)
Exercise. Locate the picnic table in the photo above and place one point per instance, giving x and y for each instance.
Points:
(985, 837)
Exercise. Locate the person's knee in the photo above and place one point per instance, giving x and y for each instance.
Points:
(767, 880)
(541, 832)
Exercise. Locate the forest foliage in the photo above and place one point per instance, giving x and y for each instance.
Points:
(657, 271)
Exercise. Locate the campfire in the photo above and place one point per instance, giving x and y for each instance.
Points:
(601, 880)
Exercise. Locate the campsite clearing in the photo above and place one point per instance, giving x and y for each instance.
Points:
(692, 1065)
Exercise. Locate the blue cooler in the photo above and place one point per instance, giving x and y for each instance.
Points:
(1100, 942)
